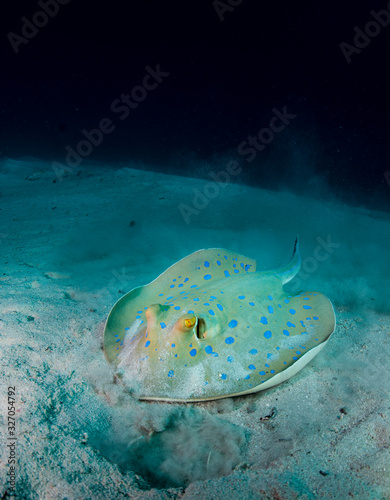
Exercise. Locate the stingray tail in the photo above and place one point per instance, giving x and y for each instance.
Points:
(288, 271)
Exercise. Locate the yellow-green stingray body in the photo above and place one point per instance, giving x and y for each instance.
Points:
(211, 326)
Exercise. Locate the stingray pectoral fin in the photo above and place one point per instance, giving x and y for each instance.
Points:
(321, 308)
(118, 322)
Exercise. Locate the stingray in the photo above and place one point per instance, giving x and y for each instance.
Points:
(212, 326)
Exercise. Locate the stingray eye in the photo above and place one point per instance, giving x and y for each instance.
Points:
(201, 329)
(190, 322)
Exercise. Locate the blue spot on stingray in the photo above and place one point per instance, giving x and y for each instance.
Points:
(290, 324)
(206, 264)
(270, 309)
(118, 340)
(268, 334)
(208, 349)
(173, 345)
(292, 311)
(230, 359)
(298, 352)
(172, 286)
(193, 352)
(286, 332)
(219, 262)
(181, 284)
(206, 304)
(247, 377)
(191, 312)
(193, 286)
(270, 297)
(270, 356)
(163, 325)
(264, 320)
(170, 373)
(223, 376)
(232, 324)
(229, 340)
(261, 373)
(295, 358)
(252, 367)
(147, 343)
(286, 301)
(306, 298)
(253, 351)
(196, 300)
(213, 297)
(207, 276)
(160, 294)
(177, 308)
(307, 307)
(185, 280)
(241, 297)
(251, 303)
(175, 355)
(220, 307)
(226, 273)
(211, 312)
(315, 317)
(236, 271)
(247, 267)
(272, 371)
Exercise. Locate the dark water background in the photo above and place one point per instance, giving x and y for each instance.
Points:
(226, 68)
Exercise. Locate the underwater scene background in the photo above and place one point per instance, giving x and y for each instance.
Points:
(132, 135)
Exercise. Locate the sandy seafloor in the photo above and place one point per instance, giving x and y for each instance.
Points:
(70, 249)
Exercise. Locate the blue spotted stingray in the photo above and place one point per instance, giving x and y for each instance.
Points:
(212, 326)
